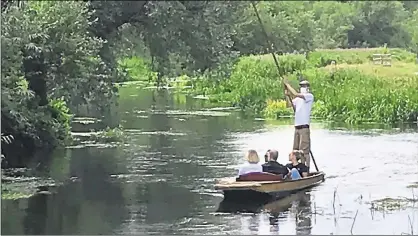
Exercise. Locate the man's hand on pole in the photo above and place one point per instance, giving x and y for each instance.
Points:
(286, 92)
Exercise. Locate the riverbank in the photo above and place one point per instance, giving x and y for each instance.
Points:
(354, 91)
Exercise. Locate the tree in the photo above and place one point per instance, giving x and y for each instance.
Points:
(378, 23)
(48, 60)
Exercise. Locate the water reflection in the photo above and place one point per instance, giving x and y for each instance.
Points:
(297, 206)
(93, 204)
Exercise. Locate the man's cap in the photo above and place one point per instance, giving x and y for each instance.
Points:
(304, 82)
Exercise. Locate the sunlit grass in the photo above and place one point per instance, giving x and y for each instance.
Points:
(398, 70)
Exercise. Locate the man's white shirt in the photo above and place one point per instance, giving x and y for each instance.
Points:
(303, 109)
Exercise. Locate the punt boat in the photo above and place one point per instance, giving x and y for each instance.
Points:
(264, 187)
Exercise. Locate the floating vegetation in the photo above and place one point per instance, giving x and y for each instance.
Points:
(85, 134)
(86, 120)
(96, 145)
(137, 131)
(413, 185)
(132, 82)
(392, 204)
(193, 113)
(23, 186)
(223, 109)
(139, 112)
(203, 97)
(8, 195)
(107, 135)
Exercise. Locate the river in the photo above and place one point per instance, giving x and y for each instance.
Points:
(160, 180)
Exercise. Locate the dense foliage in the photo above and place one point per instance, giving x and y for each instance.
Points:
(291, 27)
(49, 62)
(58, 56)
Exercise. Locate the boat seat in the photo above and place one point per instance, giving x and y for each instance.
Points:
(259, 176)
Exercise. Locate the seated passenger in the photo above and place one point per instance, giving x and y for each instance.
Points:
(252, 164)
(297, 170)
(266, 156)
(272, 166)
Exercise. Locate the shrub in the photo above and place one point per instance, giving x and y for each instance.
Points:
(180, 82)
(136, 68)
(49, 61)
(254, 79)
(276, 109)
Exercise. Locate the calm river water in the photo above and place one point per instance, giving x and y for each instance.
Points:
(160, 179)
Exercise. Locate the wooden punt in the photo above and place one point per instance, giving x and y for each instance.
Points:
(264, 187)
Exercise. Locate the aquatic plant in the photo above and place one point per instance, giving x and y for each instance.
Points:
(276, 109)
(109, 135)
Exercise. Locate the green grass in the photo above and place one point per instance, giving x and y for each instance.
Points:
(324, 57)
(397, 70)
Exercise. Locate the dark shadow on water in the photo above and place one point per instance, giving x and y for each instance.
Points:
(83, 213)
(299, 204)
(163, 203)
(92, 204)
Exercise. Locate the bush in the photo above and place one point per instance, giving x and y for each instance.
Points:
(136, 68)
(276, 109)
(180, 82)
(49, 61)
(254, 79)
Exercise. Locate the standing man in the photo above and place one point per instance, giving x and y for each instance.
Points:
(302, 105)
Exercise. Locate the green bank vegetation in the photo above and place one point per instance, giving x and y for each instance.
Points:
(59, 57)
(350, 92)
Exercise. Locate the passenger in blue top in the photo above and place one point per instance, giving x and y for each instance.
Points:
(297, 170)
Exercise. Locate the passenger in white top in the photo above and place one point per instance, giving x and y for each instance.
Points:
(302, 105)
(252, 164)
